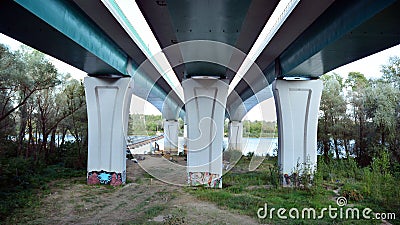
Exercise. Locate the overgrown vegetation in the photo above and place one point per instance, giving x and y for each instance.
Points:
(257, 129)
(43, 127)
(361, 117)
(146, 125)
(23, 181)
(245, 192)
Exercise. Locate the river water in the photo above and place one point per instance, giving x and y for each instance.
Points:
(260, 146)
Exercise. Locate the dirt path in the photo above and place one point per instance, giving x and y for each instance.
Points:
(142, 201)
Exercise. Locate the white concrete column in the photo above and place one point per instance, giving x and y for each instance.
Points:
(235, 135)
(205, 101)
(108, 102)
(171, 128)
(297, 105)
(185, 138)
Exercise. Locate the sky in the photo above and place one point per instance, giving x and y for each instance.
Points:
(370, 66)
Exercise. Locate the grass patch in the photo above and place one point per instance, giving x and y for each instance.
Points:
(154, 211)
(27, 184)
(246, 192)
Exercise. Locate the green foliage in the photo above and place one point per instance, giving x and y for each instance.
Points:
(39, 105)
(374, 185)
(154, 211)
(275, 175)
(391, 71)
(20, 180)
(332, 119)
(147, 125)
(245, 192)
(259, 129)
(351, 192)
(361, 116)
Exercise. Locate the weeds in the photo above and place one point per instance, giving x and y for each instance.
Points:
(246, 192)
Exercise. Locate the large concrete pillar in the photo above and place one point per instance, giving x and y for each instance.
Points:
(108, 102)
(171, 128)
(185, 138)
(235, 135)
(205, 101)
(297, 105)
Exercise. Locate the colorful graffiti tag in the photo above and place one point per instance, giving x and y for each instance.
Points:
(205, 179)
(103, 177)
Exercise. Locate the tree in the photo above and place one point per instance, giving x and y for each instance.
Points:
(333, 111)
(35, 100)
(22, 74)
(10, 67)
(391, 75)
(391, 71)
(381, 107)
(73, 118)
(357, 86)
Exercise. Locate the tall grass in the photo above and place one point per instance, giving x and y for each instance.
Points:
(245, 192)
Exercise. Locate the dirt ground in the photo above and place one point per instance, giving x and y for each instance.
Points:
(144, 200)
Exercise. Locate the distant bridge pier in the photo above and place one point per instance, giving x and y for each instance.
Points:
(235, 135)
(205, 100)
(297, 105)
(171, 130)
(108, 102)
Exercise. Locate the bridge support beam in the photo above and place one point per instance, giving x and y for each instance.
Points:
(235, 135)
(171, 128)
(108, 102)
(297, 105)
(205, 109)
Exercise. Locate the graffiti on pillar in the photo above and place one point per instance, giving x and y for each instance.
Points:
(93, 178)
(104, 177)
(205, 179)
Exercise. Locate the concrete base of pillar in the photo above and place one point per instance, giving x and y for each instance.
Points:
(297, 104)
(103, 177)
(205, 179)
(108, 103)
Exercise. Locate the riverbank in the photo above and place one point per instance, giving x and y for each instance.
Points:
(146, 200)
(143, 200)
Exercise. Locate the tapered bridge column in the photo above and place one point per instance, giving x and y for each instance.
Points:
(108, 102)
(205, 101)
(297, 105)
(171, 128)
(235, 135)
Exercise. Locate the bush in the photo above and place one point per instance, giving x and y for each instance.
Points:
(351, 192)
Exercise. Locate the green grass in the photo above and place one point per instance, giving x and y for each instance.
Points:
(25, 188)
(246, 192)
(154, 211)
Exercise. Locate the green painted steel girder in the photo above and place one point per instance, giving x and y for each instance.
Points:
(329, 42)
(219, 21)
(73, 23)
